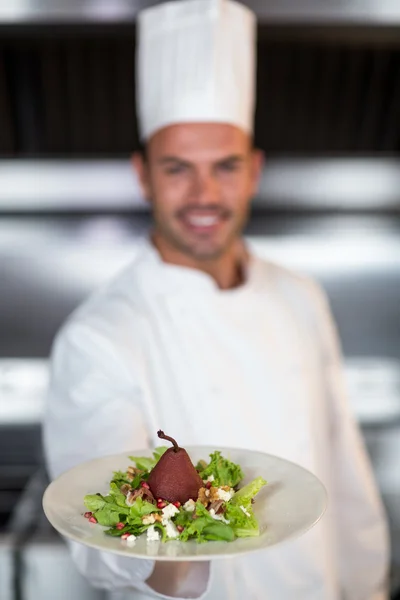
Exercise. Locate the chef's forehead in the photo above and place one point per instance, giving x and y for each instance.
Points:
(199, 141)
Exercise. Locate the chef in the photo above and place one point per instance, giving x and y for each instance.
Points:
(204, 340)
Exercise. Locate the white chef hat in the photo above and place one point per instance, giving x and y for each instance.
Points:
(195, 63)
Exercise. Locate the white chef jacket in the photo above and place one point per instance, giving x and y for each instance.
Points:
(255, 367)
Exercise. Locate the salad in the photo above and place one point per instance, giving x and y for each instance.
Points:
(167, 498)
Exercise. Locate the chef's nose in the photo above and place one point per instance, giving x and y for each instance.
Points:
(206, 188)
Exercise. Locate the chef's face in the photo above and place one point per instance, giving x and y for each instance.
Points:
(199, 179)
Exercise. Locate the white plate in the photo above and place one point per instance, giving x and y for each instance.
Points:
(292, 502)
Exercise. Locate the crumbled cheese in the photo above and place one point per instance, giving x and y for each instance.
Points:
(224, 495)
(131, 540)
(190, 505)
(210, 478)
(171, 530)
(149, 519)
(207, 493)
(129, 500)
(218, 517)
(169, 511)
(152, 534)
(246, 512)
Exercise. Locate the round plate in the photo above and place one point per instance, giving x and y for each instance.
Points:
(292, 502)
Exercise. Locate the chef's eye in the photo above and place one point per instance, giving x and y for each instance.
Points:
(176, 169)
(229, 167)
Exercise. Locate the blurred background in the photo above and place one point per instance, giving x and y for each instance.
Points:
(328, 119)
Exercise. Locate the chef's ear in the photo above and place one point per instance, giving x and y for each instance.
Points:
(139, 164)
(257, 164)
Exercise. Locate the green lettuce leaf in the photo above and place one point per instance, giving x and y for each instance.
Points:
(218, 531)
(195, 529)
(244, 525)
(114, 532)
(239, 511)
(139, 509)
(117, 496)
(145, 463)
(158, 452)
(119, 478)
(201, 511)
(223, 470)
(107, 516)
(162, 529)
(94, 502)
(183, 518)
(201, 465)
(204, 528)
(246, 493)
(105, 508)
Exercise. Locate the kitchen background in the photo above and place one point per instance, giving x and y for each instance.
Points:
(328, 119)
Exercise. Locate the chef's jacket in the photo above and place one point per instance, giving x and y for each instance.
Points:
(255, 367)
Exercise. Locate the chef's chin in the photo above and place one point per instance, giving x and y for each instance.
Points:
(202, 254)
(207, 248)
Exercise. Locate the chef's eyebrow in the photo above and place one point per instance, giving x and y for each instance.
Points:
(173, 159)
(234, 158)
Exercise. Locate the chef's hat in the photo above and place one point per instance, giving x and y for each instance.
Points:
(196, 63)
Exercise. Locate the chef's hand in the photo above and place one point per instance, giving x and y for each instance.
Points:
(180, 579)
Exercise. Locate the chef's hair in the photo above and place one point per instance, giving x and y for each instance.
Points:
(142, 149)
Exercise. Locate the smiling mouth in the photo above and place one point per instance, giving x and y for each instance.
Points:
(203, 221)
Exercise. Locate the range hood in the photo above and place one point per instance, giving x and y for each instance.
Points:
(341, 12)
(322, 91)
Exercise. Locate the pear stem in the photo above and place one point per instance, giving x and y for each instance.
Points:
(162, 436)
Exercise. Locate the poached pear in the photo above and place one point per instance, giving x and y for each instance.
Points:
(174, 477)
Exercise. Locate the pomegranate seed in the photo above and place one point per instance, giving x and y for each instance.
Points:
(88, 515)
(144, 484)
(124, 536)
(177, 504)
(180, 528)
(208, 485)
(92, 519)
(120, 525)
(161, 504)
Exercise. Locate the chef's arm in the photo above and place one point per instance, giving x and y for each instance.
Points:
(94, 410)
(361, 527)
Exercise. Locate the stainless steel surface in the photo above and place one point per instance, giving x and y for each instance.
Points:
(379, 12)
(96, 185)
(68, 185)
(6, 568)
(23, 383)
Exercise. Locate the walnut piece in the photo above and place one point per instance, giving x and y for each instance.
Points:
(132, 472)
(125, 488)
(143, 493)
(218, 506)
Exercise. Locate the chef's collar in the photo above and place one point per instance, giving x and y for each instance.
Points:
(169, 278)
